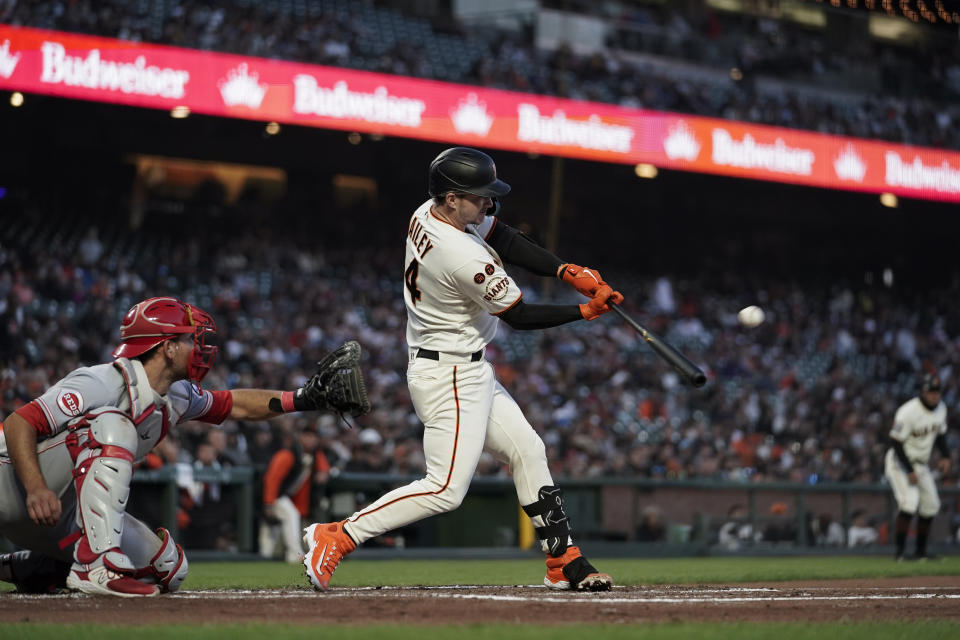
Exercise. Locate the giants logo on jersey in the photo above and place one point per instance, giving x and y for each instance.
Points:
(919, 432)
(497, 289)
(70, 402)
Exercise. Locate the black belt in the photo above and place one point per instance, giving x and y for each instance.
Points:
(435, 355)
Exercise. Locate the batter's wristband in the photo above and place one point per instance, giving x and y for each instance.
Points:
(286, 401)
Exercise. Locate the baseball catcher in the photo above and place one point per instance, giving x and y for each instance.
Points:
(64, 502)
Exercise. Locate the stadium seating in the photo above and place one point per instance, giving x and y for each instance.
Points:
(657, 58)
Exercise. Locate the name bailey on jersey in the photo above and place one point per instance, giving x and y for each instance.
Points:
(421, 243)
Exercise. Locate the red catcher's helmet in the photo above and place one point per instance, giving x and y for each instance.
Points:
(156, 320)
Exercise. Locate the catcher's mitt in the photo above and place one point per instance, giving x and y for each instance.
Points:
(338, 383)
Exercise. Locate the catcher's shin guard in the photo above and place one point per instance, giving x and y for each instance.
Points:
(103, 454)
(102, 446)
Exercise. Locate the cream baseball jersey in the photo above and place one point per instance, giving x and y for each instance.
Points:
(454, 284)
(917, 427)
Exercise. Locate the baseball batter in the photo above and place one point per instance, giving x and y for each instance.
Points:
(66, 458)
(456, 291)
(919, 425)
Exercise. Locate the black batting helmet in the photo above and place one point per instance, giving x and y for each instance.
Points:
(465, 170)
(931, 382)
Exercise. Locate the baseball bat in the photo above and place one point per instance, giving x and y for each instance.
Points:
(687, 370)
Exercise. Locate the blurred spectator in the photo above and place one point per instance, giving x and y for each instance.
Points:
(228, 445)
(210, 523)
(828, 532)
(263, 445)
(652, 527)
(861, 533)
(736, 532)
(370, 456)
(781, 528)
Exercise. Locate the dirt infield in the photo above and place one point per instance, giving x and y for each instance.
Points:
(932, 598)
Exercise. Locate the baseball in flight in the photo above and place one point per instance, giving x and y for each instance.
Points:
(750, 316)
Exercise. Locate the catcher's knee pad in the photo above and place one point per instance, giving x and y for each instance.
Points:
(104, 467)
(554, 534)
(113, 429)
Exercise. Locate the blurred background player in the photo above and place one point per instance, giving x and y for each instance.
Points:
(287, 490)
(66, 458)
(918, 426)
(455, 291)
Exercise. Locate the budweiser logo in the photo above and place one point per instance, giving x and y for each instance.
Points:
(340, 102)
(916, 175)
(242, 88)
(557, 129)
(93, 72)
(750, 154)
(471, 116)
(680, 143)
(8, 62)
(848, 165)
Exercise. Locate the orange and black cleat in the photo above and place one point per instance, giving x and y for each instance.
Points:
(571, 571)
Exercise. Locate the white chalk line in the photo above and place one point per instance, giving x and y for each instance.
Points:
(694, 599)
(647, 596)
(650, 596)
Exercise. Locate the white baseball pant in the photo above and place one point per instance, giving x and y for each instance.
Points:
(920, 498)
(464, 410)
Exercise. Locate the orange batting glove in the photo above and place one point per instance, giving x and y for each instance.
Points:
(598, 305)
(586, 281)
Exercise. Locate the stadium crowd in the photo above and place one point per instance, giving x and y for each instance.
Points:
(877, 92)
(806, 397)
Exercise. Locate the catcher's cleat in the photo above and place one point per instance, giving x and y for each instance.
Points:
(326, 545)
(98, 579)
(572, 571)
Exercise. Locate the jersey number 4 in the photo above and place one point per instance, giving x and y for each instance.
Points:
(410, 280)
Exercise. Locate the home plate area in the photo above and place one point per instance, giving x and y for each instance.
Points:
(929, 598)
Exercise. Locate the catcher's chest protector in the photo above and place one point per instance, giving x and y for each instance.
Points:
(148, 411)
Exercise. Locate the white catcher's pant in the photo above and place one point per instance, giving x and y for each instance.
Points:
(138, 542)
(920, 498)
(465, 410)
